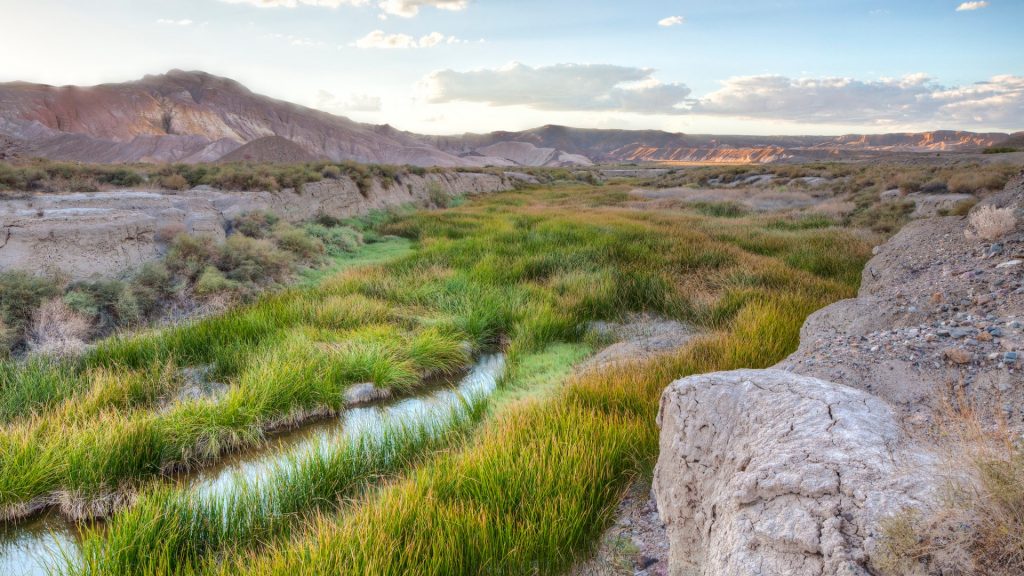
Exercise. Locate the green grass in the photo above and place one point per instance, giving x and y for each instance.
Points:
(524, 272)
(389, 248)
(173, 531)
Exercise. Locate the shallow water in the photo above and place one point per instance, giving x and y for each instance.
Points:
(28, 548)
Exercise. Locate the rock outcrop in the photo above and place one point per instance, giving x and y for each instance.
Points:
(771, 473)
(779, 472)
(936, 312)
(106, 233)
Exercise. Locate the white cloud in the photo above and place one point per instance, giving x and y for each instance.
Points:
(671, 21)
(410, 8)
(431, 40)
(297, 3)
(564, 87)
(169, 22)
(353, 103)
(296, 40)
(378, 39)
(976, 5)
(912, 99)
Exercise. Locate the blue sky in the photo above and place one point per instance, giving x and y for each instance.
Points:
(445, 66)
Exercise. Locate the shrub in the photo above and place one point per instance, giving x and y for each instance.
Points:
(190, 255)
(255, 224)
(336, 240)
(999, 150)
(174, 182)
(298, 242)
(976, 525)
(57, 330)
(977, 180)
(121, 177)
(989, 223)
(247, 259)
(212, 282)
(82, 302)
(168, 231)
(127, 308)
(21, 294)
(438, 196)
(152, 286)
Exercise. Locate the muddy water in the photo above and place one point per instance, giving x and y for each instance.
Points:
(30, 548)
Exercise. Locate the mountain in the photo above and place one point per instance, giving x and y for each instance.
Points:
(198, 117)
(186, 117)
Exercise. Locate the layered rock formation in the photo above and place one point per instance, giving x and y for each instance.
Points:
(106, 233)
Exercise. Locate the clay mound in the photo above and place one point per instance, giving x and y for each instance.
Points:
(271, 149)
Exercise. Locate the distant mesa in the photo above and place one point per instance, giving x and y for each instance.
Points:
(198, 117)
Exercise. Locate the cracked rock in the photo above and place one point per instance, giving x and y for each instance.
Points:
(769, 472)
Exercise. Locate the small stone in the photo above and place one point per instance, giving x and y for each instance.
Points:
(1009, 264)
(985, 337)
(958, 355)
(937, 298)
(1011, 357)
(960, 332)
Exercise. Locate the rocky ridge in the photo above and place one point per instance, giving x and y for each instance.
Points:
(106, 233)
(791, 470)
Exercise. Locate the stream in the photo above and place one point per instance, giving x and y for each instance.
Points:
(31, 547)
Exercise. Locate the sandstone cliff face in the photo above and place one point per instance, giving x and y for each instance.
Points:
(107, 233)
(765, 472)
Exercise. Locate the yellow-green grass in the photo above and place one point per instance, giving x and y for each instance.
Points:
(518, 271)
(537, 486)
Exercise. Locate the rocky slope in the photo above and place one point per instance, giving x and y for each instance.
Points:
(186, 117)
(106, 233)
(790, 470)
(198, 117)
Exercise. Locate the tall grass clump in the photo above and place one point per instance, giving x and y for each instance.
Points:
(177, 531)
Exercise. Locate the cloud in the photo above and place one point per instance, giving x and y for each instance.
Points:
(671, 21)
(402, 8)
(296, 40)
(916, 98)
(297, 3)
(564, 87)
(354, 103)
(169, 22)
(378, 39)
(967, 6)
(410, 8)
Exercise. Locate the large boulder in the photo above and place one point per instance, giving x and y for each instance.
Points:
(767, 472)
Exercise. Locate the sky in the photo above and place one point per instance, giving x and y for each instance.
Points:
(452, 66)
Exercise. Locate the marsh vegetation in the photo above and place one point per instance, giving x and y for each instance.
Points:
(523, 483)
